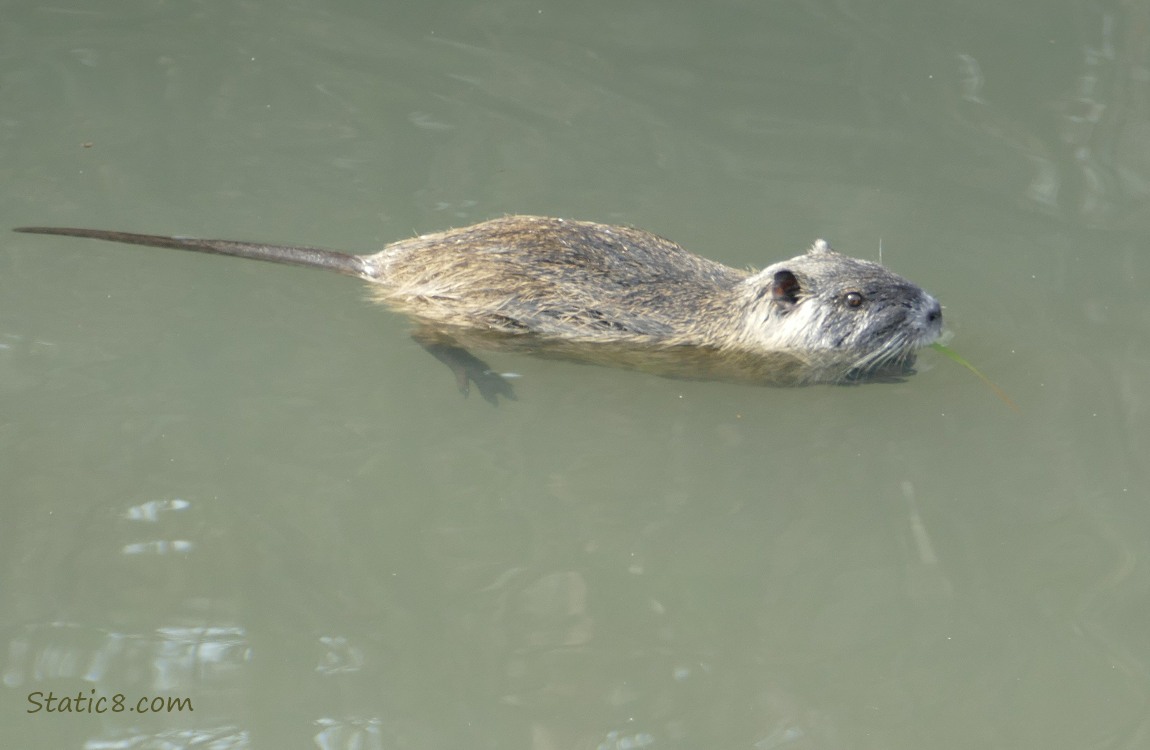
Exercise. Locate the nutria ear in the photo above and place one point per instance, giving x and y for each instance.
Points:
(785, 289)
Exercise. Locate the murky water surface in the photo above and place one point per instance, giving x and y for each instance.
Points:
(243, 490)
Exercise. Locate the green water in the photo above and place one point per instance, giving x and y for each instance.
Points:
(243, 485)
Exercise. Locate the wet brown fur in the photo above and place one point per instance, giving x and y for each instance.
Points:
(570, 280)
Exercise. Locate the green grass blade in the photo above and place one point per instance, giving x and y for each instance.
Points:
(951, 354)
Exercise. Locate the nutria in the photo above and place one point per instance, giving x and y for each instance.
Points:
(622, 296)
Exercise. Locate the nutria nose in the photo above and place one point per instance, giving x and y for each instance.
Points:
(934, 314)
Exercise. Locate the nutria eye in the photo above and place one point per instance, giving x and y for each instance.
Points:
(854, 299)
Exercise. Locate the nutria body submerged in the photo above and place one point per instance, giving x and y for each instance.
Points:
(617, 295)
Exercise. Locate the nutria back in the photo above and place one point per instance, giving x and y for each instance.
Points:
(571, 280)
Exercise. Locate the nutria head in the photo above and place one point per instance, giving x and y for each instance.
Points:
(848, 313)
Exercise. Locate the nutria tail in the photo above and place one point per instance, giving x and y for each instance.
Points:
(312, 257)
